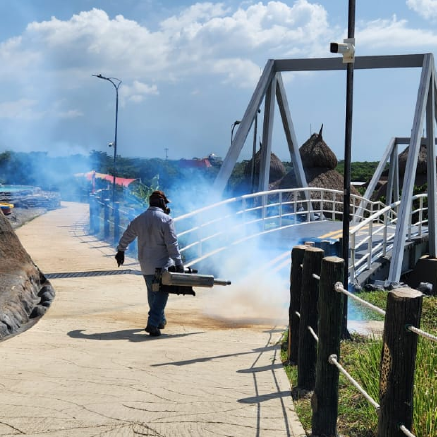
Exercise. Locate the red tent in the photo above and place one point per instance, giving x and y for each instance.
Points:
(92, 175)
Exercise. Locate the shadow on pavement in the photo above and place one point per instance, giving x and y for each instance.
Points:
(262, 369)
(133, 335)
(263, 398)
(215, 357)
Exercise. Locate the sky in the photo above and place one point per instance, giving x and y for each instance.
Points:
(189, 70)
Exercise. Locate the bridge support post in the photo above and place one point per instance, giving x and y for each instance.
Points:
(398, 359)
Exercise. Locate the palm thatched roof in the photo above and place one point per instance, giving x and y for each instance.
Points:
(277, 169)
(420, 179)
(316, 153)
(319, 164)
(422, 163)
(316, 177)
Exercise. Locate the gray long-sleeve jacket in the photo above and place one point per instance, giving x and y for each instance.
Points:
(157, 242)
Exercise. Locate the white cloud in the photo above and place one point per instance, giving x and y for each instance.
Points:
(20, 109)
(204, 38)
(71, 113)
(394, 33)
(425, 8)
(242, 70)
(208, 56)
(138, 91)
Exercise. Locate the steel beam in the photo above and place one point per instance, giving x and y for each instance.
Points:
(244, 128)
(431, 165)
(410, 171)
(266, 149)
(375, 179)
(361, 63)
(290, 134)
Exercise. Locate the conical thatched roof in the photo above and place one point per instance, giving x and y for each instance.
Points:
(421, 160)
(316, 153)
(421, 172)
(277, 169)
(316, 177)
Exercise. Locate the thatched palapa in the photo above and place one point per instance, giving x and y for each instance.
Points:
(315, 153)
(319, 164)
(420, 179)
(277, 169)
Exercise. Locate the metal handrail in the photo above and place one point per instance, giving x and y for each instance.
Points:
(215, 227)
(385, 220)
(267, 210)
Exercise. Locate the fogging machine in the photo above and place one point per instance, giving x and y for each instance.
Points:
(170, 281)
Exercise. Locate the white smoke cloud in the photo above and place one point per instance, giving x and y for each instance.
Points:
(257, 264)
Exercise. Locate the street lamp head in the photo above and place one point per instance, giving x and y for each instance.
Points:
(109, 79)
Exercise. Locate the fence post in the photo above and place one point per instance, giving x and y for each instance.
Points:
(116, 222)
(106, 219)
(398, 359)
(306, 368)
(324, 401)
(297, 255)
(94, 215)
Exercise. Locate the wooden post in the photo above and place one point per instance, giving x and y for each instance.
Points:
(325, 398)
(297, 255)
(306, 361)
(398, 358)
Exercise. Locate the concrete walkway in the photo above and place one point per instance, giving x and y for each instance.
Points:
(89, 369)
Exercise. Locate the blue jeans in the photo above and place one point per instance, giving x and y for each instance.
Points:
(157, 302)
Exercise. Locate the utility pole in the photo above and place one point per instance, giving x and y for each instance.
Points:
(347, 49)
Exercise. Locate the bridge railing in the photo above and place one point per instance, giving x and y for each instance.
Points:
(373, 237)
(212, 229)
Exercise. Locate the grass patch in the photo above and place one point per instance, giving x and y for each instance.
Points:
(361, 356)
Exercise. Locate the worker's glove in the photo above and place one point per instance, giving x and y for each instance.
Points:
(119, 257)
(180, 268)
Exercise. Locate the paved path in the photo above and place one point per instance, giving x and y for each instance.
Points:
(88, 368)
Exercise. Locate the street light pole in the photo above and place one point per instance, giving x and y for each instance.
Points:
(116, 83)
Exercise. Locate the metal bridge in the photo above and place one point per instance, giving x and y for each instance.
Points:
(271, 87)
(280, 219)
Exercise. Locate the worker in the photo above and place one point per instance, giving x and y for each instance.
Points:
(157, 248)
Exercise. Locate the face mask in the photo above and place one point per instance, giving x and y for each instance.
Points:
(160, 203)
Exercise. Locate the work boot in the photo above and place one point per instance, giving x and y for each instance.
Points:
(162, 324)
(153, 331)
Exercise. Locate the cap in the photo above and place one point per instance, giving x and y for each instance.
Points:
(159, 195)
